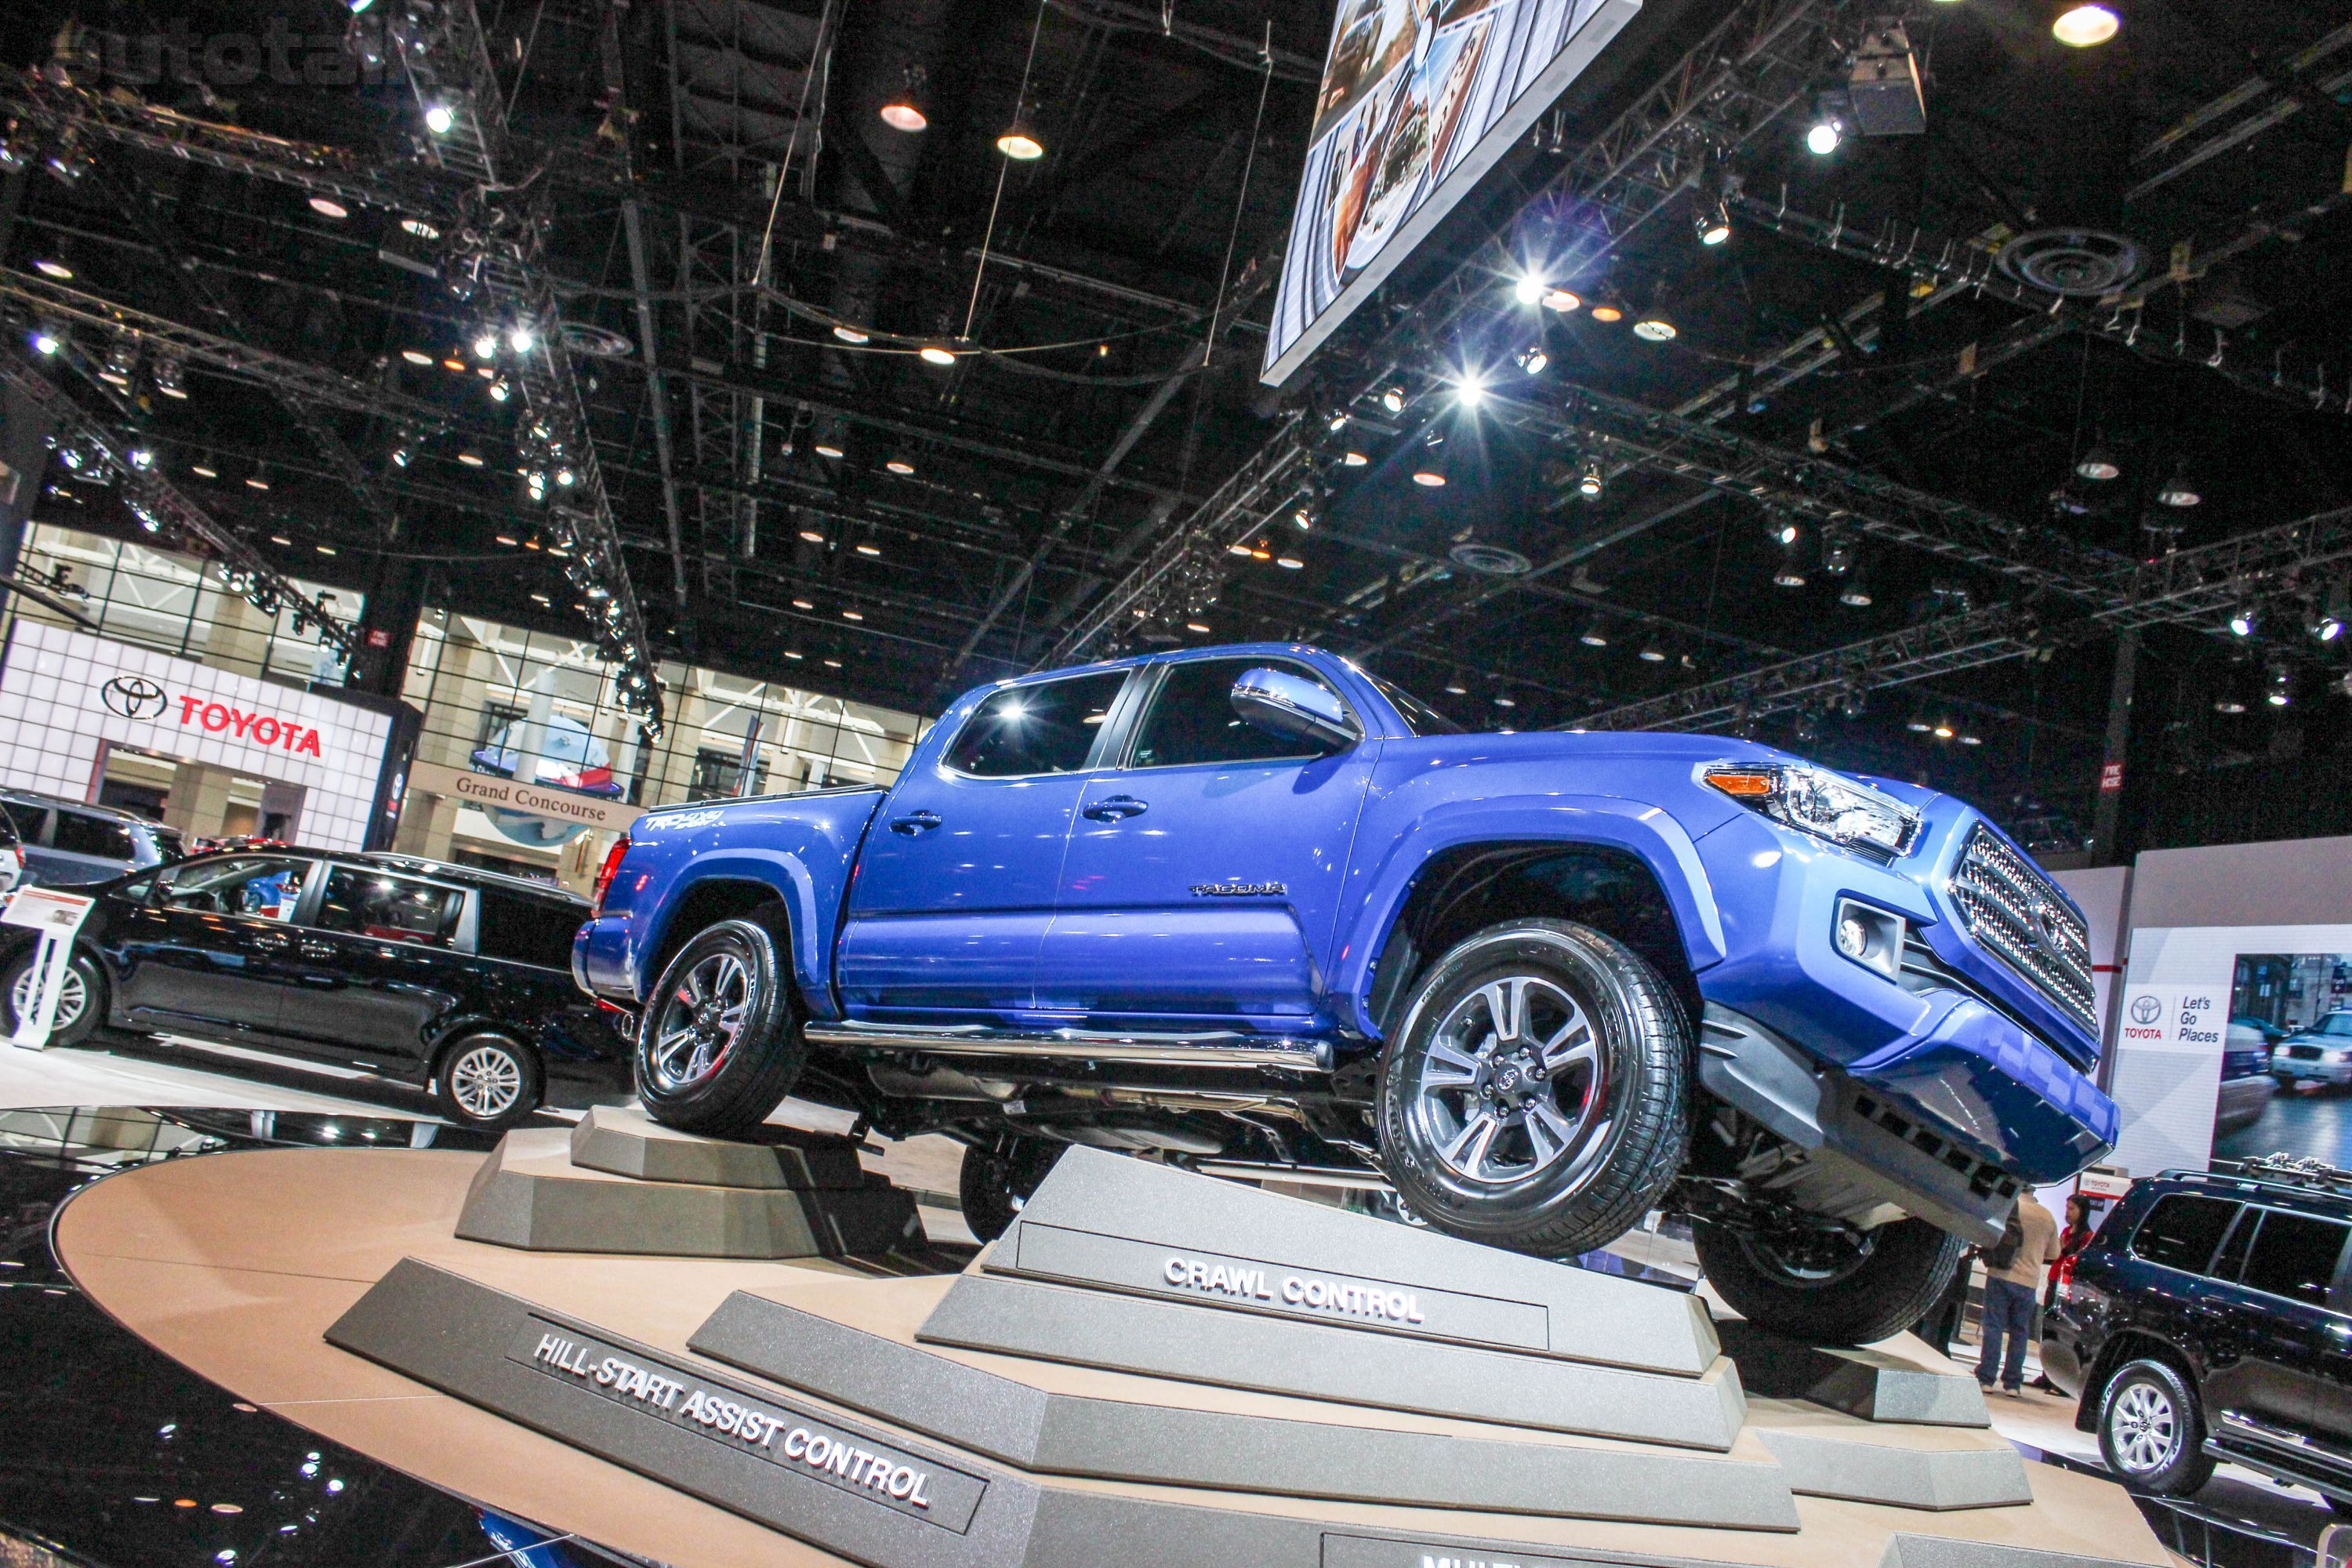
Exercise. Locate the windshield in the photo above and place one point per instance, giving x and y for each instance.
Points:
(1419, 716)
(2333, 1023)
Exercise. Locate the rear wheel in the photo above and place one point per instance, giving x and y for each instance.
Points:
(1831, 1287)
(1536, 1095)
(82, 1000)
(719, 1045)
(997, 1180)
(2152, 1432)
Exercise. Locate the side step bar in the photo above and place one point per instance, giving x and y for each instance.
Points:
(1222, 1048)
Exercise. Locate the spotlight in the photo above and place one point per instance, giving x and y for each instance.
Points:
(485, 344)
(358, 5)
(1561, 299)
(48, 337)
(418, 228)
(1853, 704)
(169, 371)
(57, 269)
(2080, 26)
(1470, 391)
(440, 119)
(826, 450)
(1822, 138)
(2281, 690)
(2228, 705)
(1337, 422)
(904, 111)
(1855, 592)
(1651, 653)
(1354, 460)
(1588, 484)
(851, 335)
(1607, 311)
(932, 353)
(1432, 468)
(259, 479)
(1837, 556)
(1712, 222)
(2244, 620)
(328, 206)
(1533, 359)
(2177, 490)
(1304, 518)
(1942, 730)
(1528, 290)
(142, 457)
(1429, 474)
(1393, 400)
(2326, 626)
(1021, 145)
(899, 466)
(1453, 688)
(1789, 574)
(499, 390)
(2098, 464)
(1502, 698)
(121, 360)
(1595, 633)
(1655, 326)
(1783, 531)
(522, 337)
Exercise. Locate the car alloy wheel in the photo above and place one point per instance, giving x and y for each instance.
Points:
(699, 1023)
(1511, 1084)
(2145, 1428)
(485, 1082)
(73, 996)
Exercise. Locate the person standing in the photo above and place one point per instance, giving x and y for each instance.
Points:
(2013, 1273)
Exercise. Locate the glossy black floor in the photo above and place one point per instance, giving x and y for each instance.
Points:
(113, 1455)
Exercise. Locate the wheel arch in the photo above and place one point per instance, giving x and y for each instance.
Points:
(1613, 882)
(2121, 1350)
(785, 906)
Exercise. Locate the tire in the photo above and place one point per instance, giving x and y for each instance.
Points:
(1534, 1095)
(1873, 1295)
(2151, 1431)
(488, 1081)
(998, 1180)
(81, 1004)
(718, 1045)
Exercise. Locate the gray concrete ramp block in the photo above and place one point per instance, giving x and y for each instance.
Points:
(1110, 1223)
(1908, 1550)
(626, 1142)
(1901, 1380)
(1860, 1471)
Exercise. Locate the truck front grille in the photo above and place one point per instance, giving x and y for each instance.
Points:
(2012, 910)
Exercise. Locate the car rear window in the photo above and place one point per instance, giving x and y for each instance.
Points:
(1048, 728)
(525, 930)
(2182, 1230)
(2294, 1256)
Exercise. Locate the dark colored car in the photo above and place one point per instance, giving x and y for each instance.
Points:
(452, 978)
(2210, 1318)
(70, 843)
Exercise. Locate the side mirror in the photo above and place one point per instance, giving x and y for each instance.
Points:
(1295, 707)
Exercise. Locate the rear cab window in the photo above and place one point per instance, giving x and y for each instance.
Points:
(1045, 727)
(2182, 1230)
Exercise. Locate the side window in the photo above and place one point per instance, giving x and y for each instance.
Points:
(102, 836)
(2294, 1256)
(1192, 719)
(1048, 728)
(263, 885)
(526, 930)
(2182, 1230)
(2232, 1259)
(389, 909)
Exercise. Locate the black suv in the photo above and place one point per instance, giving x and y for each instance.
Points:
(453, 978)
(2209, 1319)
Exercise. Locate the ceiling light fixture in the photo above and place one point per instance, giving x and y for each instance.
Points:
(826, 450)
(904, 110)
(1712, 222)
(1561, 299)
(849, 334)
(1589, 483)
(1021, 145)
(2177, 490)
(2082, 27)
(57, 269)
(933, 353)
(1595, 633)
(328, 206)
(1528, 290)
(1533, 359)
(1822, 137)
(900, 468)
(2098, 464)
(440, 119)
(417, 356)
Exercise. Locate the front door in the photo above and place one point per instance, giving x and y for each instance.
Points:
(954, 884)
(209, 950)
(376, 966)
(1202, 880)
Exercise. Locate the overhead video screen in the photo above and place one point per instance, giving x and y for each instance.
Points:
(1420, 98)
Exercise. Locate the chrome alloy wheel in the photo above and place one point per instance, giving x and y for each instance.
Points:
(1511, 1084)
(699, 1023)
(485, 1082)
(2145, 1428)
(72, 997)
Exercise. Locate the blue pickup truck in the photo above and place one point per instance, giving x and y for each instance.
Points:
(1256, 910)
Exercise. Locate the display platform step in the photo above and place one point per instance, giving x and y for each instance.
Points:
(1105, 1222)
(531, 1192)
(1865, 1466)
(1900, 1379)
(1049, 1431)
(626, 1142)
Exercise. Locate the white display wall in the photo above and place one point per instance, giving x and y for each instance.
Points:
(65, 695)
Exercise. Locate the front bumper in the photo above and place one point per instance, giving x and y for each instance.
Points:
(2296, 1070)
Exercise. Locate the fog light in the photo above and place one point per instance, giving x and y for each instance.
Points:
(1870, 936)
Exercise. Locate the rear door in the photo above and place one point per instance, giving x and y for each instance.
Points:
(1202, 878)
(954, 884)
(211, 949)
(84, 846)
(378, 964)
(2276, 1305)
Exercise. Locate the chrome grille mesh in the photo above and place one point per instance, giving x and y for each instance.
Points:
(2014, 911)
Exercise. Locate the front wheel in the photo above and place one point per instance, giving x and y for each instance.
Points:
(1833, 1287)
(1536, 1095)
(2152, 1432)
(718, 1045)
(82, 1000)
(488, 1082)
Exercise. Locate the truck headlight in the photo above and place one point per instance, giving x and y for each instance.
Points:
(1849, 815)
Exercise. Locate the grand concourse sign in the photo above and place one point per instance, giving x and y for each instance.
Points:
(491, 791)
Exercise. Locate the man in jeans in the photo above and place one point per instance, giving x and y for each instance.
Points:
(2012, 1285)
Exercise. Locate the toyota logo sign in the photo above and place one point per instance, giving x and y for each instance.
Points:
(134, 697)
(2146, 1009)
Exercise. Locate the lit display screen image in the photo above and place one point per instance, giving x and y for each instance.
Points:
(1419, 99)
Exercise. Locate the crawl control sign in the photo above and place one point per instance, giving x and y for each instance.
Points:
(815, 1450)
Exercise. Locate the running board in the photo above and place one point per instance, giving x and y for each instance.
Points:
(1220, 1050)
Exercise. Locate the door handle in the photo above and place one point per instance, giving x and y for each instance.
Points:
(1116, 808)
(271, 943)
(915, 822)
(318, 950)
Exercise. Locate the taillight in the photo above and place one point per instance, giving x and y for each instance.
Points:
(611, 863)
(2063, 1276)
